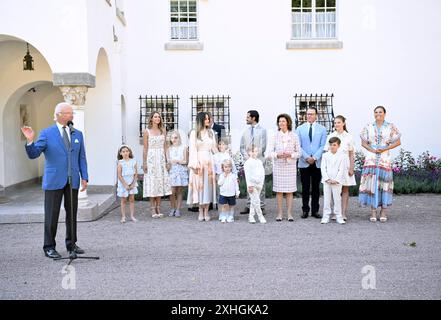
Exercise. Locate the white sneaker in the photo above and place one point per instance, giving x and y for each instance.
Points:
(324, 221)
(251, 219)
(341, 221)
(262, 219)
(223, 219)
(230, 218)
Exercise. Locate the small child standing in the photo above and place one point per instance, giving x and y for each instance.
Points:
(334, 164)
(127, 181)
(229, 191)
(255, 177)
(219, 158)
(178, 159)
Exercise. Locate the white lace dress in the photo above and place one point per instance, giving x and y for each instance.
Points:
(156, 179)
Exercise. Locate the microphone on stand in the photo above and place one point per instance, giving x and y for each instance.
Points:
(71, 127)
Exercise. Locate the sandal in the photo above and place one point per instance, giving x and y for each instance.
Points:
(123, 220)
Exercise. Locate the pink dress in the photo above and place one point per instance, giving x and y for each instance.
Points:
(202, 186)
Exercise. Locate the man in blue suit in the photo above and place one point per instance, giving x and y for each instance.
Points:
(57, 143)
(312, 137)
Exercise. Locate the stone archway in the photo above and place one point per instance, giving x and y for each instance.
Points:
(24, 96)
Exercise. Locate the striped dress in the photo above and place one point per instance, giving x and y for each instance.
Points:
(376, 184)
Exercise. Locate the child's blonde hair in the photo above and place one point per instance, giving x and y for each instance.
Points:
(175, 132)
(228, 163)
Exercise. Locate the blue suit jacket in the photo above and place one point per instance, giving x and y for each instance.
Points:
(51, 144)
(314, 148)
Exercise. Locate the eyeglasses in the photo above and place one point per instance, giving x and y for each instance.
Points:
(73, 112)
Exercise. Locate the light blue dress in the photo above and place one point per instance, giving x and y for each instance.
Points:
(178, 172)
(128, 173)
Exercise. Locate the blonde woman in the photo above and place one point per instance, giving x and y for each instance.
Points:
(156, 179)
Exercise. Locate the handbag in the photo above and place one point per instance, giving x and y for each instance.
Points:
(268, 166)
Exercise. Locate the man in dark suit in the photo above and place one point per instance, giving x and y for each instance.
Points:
(219, 130)
(57, 143)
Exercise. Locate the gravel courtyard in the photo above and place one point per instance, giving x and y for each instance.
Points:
(181, 258)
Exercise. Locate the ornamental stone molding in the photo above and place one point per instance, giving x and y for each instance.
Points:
(75, 95)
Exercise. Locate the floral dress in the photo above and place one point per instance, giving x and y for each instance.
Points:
(178, 172)
(377, 185)
(156, 179)
(127, 173)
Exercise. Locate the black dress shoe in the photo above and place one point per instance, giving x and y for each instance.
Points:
(72, 255)
(304, 215)
(317, 215)
(52, 253)
(246, 211)
(78, 250)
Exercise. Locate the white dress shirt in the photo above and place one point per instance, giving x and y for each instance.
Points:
(60, 128)
(229, 187)
(334, 166)
(254, 172)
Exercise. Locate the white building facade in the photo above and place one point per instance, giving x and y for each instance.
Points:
(245, 54)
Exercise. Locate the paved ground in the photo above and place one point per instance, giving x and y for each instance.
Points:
(182, 258)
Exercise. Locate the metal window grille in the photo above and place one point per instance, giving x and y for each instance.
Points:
(167, 106)
(324, 105)
(218, 106)
(183, 20)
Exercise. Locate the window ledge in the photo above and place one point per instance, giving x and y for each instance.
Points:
(314, 44)
(184, 45)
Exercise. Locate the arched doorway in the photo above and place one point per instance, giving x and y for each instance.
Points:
(26, 97)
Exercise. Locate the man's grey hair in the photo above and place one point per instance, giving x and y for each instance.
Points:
(58, 108)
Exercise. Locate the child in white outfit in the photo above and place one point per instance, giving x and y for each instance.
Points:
(334, 166)
(229, 191)
(255, 177)
(219, 158)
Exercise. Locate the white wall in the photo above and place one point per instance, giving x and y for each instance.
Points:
(101, 137)
(18, 167)
(57, 28)
(393, 62)
(14, 83)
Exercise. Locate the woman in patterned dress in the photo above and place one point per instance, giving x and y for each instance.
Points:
(202, 179)
(285, 150)
(346, 146)
(376, 185)
(156, 179)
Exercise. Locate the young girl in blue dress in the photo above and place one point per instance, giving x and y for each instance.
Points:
(178, 159)
(127, 181)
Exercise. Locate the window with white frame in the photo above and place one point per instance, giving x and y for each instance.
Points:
(183, 19)
(314, 19)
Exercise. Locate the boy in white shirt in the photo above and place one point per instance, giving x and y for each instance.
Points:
(255, 177)
(229, 191)
(333, 168)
